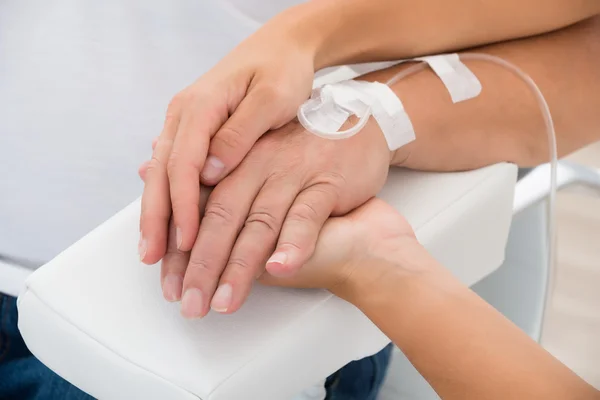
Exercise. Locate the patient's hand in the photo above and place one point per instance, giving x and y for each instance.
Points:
(350, 245)
(278, 198)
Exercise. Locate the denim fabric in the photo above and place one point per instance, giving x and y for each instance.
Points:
(22, 376)
(360, 380)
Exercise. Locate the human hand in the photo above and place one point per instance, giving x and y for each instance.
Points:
(350, 248)
(279, 197)
(211, 125)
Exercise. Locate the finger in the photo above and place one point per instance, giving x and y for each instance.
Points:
(143, 169)
(225, 212)
(255, 243)
(173, 268)
(252, 118)
(175, 261)
(156, 202)
(184, 166)
(144, 166)
(301, 229)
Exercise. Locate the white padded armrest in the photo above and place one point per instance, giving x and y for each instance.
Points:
(96, 316)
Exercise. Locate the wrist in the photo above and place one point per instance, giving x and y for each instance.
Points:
(307, 27)
(406, 263)
(333, 31)
(399, 156)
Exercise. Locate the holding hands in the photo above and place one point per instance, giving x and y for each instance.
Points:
(270, 211)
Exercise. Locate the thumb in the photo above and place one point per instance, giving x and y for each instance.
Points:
(260, 111)
(334, 256)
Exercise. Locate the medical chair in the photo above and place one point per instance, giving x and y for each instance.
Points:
(96, 316)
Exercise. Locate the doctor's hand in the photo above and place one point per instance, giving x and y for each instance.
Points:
(350, 247)
(211, 125)
(269, 211)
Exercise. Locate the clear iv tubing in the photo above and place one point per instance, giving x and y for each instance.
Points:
(551, 231)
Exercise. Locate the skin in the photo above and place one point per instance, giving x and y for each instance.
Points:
(211, 125)
(372, 259)
(291, 181)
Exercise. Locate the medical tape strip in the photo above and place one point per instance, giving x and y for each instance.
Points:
(331, 105)
(461, 83)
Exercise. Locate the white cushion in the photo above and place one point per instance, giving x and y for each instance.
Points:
(97, 317)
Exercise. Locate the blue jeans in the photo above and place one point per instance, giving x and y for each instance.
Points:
(360, 380)
(24, 377)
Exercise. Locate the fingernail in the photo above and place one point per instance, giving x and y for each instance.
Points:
(212, 168)
(179, 237)
(276, 266)
(142, 247)
(172, 287)
(191, 303)
(222, 298)
(278, 258)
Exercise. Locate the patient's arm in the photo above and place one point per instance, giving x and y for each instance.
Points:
(460, 344)
(504, 123)
(350, 31)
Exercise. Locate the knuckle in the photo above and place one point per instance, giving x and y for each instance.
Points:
(177, 103)
(278, 98)
(184, 209)
(173, 251)
(273, 93)
(173, 163)
(198, 266)
(291, 245)
(174, 261)
(154, 165)
(230, 137)
(219, 211)
(330, 181)
(265, 219)
(303, 212)
(177, 162)
(240, 264)
(327, 187)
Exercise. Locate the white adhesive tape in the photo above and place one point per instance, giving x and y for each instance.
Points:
(460, 82)
(330, 106)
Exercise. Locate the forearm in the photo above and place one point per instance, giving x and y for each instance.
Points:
(461, 345)
(351, 31)
(504, 122)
